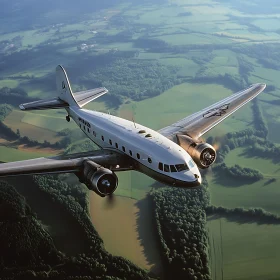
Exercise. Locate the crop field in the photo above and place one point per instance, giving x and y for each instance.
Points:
(8, 154)
(243, 251)
(49, 121)
(230, 193)
(15, 121)
(131, 229)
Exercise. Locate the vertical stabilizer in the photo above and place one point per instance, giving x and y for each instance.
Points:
(63, 87)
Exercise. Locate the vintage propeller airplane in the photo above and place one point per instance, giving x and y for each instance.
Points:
(171, 155)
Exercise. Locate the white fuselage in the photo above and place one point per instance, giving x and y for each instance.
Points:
(154, 154)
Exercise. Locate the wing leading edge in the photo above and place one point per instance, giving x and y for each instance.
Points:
(66, 164)
(201, 122)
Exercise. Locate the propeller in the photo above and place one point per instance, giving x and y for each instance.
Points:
(110, 200)
(217, 143)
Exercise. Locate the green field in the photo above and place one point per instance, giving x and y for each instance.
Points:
(245, 251)
(8, 154)
(245, 159)
(33, 131)
(47, 121)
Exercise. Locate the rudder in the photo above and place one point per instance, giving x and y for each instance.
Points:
(63, 87)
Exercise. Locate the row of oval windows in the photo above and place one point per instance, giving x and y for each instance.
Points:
(116, 144)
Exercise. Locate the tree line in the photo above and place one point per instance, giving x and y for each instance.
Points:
(253, 214)
(236, 171)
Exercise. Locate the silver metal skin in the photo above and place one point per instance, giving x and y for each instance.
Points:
(201, 122)
(203, 154)
(126, 145)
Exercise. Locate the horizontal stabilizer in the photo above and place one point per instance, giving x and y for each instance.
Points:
(84, 97)
(54, 103)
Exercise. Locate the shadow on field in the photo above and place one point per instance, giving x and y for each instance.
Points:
(148, 235)
(67, 235)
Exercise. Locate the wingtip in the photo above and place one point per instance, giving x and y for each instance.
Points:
(21, 107)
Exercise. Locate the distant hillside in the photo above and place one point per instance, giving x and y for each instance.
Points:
(29, 13)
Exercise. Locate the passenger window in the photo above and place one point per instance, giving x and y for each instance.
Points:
(172, 168)
(123, 148)
(94, 133)
(138, 156)
(166, 168)
(88, 130)
(117, 146)
(110, 141)
(84, 128)
(160, 166)
(130, 152)
(149, 160)
(102, 137)
(80, 125)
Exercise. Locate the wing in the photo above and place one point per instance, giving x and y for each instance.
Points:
(199, 123)
(67, 164)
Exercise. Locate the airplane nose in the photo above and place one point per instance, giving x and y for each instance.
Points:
(187, 184)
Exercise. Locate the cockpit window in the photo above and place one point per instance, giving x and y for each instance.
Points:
(191, 163)
(181, 167)
(173, 168)
(166, 168)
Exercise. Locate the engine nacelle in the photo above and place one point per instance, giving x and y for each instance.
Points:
(203, 154)
(101, 180)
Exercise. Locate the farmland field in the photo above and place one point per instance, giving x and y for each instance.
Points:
(134, 237)
(15, 120)
(249, 247)
(11, 154)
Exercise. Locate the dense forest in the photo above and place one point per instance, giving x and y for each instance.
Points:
(180, 220)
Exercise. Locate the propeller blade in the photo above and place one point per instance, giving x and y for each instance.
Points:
(110, 201)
